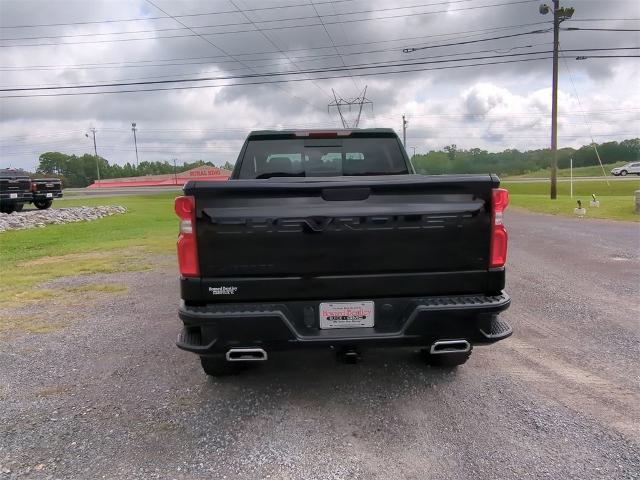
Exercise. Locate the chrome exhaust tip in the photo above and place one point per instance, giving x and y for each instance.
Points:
(246, 355)
(450, 346)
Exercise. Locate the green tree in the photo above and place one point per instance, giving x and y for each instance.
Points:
(451, 151)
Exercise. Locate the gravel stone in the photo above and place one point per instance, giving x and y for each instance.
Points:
(55, 216)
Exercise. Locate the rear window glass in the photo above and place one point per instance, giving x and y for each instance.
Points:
(322, 158)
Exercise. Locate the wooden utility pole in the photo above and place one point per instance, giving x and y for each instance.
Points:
(135, 140)
(559, 15)
(95, 149)
(554, 101)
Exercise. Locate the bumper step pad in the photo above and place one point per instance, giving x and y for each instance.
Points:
(497, 329)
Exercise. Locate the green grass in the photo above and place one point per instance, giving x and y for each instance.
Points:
(149, 223)
(612, 207)
(582, 189)
(112, 244)
(617, 201)
(590, 171)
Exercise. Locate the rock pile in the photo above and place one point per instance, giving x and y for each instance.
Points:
(55, 216)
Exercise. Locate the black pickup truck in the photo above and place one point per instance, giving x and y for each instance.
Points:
(15, 190)
(44, 191)
(329, 239)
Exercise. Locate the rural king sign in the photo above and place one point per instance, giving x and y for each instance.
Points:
(202, 172)
(199, 173)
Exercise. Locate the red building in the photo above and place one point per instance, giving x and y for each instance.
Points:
(178, 179)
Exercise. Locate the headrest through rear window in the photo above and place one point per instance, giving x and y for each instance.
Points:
(279, 165)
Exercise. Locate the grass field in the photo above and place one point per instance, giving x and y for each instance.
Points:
(591, 171)
(616, 199)
(149, 223)
(581, 190)
(113, 244)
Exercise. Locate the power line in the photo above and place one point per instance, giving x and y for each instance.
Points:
(284, 27)
(234, 24)
(574, 29)
(593, 143)
(92, 22)
(267, 82)
(245, 76)
(324, 27)
(467, 33)
(363, 66)
(384, 63)
(285, 80)
(291, 62)
(602, 20)
(512, 114)
(224, 52)
(332, 2)
(297, 59)
(532, 32)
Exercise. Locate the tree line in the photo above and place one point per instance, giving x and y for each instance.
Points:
(81, 171)
(451, 159)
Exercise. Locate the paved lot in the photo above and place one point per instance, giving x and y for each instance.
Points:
(111, 397)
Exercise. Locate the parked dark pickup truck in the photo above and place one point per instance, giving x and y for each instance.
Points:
(44, 191)
(329, 239)
(15, 190)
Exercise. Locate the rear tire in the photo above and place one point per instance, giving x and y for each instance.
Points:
(43, 204)
(18, 207)
(218, 366)
(445, 360)
(7, 208)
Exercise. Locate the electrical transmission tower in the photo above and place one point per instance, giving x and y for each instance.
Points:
(343, 105)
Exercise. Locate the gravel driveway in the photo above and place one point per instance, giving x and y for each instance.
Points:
(110, 396)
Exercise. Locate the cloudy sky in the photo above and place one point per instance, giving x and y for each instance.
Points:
(291, 55)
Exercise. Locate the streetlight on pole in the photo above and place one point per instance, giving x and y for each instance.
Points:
(559, 15)
(135, 141)
(95, 149)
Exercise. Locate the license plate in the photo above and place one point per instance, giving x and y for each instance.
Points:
(346, 314)
(13, 195)
(49, 195)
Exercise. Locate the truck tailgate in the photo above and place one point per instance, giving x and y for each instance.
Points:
(298, 230)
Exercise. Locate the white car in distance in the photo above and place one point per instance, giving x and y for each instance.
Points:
(631, 167)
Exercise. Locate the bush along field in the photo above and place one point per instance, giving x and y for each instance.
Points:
(617, 201)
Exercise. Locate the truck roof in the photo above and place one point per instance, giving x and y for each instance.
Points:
(12, 173)
(323, 132)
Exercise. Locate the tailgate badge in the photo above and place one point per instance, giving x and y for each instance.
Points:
(223, 290)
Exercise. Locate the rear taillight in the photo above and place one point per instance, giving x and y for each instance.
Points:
(187, 246)
(34, 187)
(499, 238)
